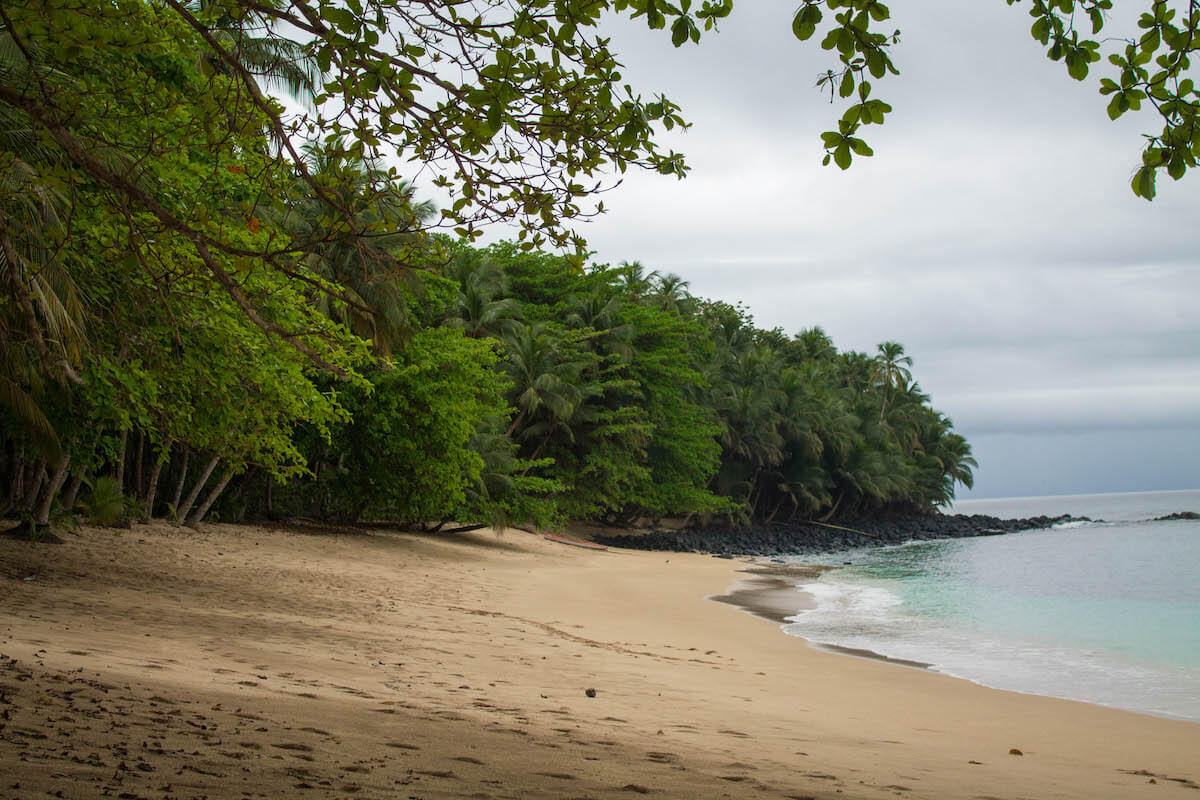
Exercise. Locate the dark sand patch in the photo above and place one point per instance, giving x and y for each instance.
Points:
(772, 592)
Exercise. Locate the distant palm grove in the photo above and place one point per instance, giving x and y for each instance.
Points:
(202, 319)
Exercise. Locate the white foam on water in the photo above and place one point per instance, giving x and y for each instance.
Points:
(1075, 523)
(856, 614)
(833, 597)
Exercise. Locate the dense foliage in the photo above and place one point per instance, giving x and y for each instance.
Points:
(200, 315)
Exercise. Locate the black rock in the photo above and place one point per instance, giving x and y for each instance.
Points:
(1178, 515)
(797, 538)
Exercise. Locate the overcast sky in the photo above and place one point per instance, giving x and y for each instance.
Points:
(1050, 313)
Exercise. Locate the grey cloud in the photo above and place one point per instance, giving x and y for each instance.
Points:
(994, 234)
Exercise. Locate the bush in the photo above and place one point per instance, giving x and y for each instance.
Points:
(106, 505)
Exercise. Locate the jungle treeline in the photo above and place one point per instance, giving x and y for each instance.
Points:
(200, 320)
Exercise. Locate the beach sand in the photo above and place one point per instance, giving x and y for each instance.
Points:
(245, 662)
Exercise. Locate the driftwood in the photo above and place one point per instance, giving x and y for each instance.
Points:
(463, 528)
(843, 528)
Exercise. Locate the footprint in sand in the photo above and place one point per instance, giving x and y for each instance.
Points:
(402, 746)
(821, 776)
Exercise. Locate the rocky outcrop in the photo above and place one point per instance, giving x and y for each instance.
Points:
(801, 538)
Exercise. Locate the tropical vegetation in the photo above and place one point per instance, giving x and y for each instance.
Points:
(217, 307)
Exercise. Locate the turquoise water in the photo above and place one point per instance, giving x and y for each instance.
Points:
(1106, 612)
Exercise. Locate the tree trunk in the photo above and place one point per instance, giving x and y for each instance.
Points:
(240, 492)
(195, 519)
(16, 489)
(837, 503)
(516, 421)
(179, 486)
(152, 488)
(270, 510)
(72, 492)
(42, 518)
(121, 461)
(34, 489)
(775, 510)
(139, 477)
(181, 513)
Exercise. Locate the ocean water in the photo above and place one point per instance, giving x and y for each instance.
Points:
(1104, 612)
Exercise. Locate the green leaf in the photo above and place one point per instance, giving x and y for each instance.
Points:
(847, 86)
(1117, 106)
(679, 31)
(841, 156)
(1077, 67)
(1143, 183)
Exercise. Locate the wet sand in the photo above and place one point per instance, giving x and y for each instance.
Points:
(771, 591)
(243, 662)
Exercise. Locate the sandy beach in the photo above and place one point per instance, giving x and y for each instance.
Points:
(247, 662)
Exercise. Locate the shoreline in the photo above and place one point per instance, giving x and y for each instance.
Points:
(771, 592)
(774, 592)
(263, 662)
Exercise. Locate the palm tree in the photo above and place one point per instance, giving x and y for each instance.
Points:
(670, 292)
(41, 313)
(891, 370)
(634, 280)
(815, 344)
(945, 460)
(271, 60)
(357, 255)
(475, 268)
(544, 382)
(600, 314)
(478, 310)
(478, 314)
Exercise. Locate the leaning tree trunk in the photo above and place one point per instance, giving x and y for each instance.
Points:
(195, 519)
(34, 490)
(838, 502)
(152, 488)
(121, 461)
(72, 492)
(181, 512)
(182, 477)
(42, 517)
(16, 489)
